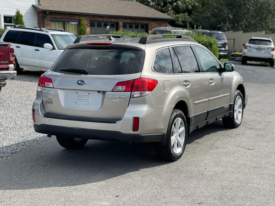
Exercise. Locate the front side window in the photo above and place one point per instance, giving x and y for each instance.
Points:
(101, 61)
(209, 63)
(63, 40)
(163, 61)
(27, 38)
(42, 39)
(187, 59)
(11, 36)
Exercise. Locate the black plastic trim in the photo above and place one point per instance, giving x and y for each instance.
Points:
(209, 121)
(257, 59)
(97, 134)
(220, 110)
(82, 119)
(198, 118)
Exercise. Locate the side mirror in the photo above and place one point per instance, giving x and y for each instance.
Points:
(48, 46)
(229, 67)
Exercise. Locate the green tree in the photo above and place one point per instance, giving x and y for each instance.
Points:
(18, 19)
(82, 30)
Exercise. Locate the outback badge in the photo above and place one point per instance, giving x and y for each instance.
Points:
(81, 82)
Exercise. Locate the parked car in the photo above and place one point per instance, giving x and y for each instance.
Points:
(158, 90)
(169, 30)
(6, 63)
(36, 48)
(222, 43)
(259, 49)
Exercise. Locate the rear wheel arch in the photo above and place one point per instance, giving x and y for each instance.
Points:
(183, 106)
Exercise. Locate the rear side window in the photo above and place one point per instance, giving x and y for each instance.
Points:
(260, 42)
(11, 36)
(187, 59)
(176, 64)
(42, 39)
(163, 61)
(101, 61)
(27, 38)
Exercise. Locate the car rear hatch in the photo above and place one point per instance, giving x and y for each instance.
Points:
(259, 47)
(85, 82)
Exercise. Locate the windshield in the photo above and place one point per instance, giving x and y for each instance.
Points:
(260, 42)
(219, 36)
(63, 40)
(100, 61)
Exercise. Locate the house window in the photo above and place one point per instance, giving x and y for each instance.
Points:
(135, 27)
(8, 21)
(66, 24)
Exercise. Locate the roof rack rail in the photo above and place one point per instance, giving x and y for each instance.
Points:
(54, 29)
(86, 38)
(160, 38)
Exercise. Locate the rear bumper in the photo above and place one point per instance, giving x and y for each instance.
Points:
(97, 134)
(5, 75)
(223, 52)
(249, 58)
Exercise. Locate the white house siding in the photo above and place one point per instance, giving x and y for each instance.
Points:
(8, 8)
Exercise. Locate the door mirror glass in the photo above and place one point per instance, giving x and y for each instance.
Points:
(48, 46)
(229, 67)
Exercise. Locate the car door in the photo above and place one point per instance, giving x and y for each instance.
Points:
(44, 57)
(194, 83)
(25, 44)
(219, 83)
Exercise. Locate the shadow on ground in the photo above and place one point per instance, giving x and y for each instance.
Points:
(48, 165)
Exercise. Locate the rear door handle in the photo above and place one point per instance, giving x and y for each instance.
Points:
(37, 50)
(17, 46)
(186, 83)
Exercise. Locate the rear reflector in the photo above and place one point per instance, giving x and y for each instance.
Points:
(135, 124)
(33, 114)
(44, 82)
(99, 43)
(12, 55)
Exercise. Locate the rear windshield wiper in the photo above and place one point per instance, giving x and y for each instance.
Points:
(82, 71)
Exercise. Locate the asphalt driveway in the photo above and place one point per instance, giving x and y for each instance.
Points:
(219, 167)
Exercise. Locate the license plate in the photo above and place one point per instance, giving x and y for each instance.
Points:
(219, 45)
(258, 50)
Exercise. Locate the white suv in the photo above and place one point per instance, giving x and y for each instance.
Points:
(37, 48)
(259, 49)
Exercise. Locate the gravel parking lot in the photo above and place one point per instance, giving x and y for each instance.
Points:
(219, 166)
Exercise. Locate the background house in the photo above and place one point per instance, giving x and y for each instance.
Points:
(116, 14)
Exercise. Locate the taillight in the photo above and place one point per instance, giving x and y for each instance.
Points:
(135, 124)
(272, 48)
(246, 46)
(226, 44)
(139, 87)
(33, 115)
(44, 82)
(12, 56)
(123, 86)
(143, 87)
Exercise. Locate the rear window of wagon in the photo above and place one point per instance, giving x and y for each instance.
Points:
(101, 61)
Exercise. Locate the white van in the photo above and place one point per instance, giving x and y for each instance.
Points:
(37, 48)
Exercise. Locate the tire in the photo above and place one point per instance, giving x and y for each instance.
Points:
(235, 120)
(172, 151)
(244, 61)
(271, 63)
(17, 67)
(71, 143)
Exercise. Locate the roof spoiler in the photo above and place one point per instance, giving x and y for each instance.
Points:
(161, 38)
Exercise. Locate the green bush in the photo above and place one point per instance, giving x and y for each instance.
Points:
(129, 33)
(2, 32)
(207, 41)
(82, 30)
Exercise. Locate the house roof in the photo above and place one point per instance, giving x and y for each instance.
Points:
(116, 8)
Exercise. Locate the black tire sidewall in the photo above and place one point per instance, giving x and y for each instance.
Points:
(176, 113)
